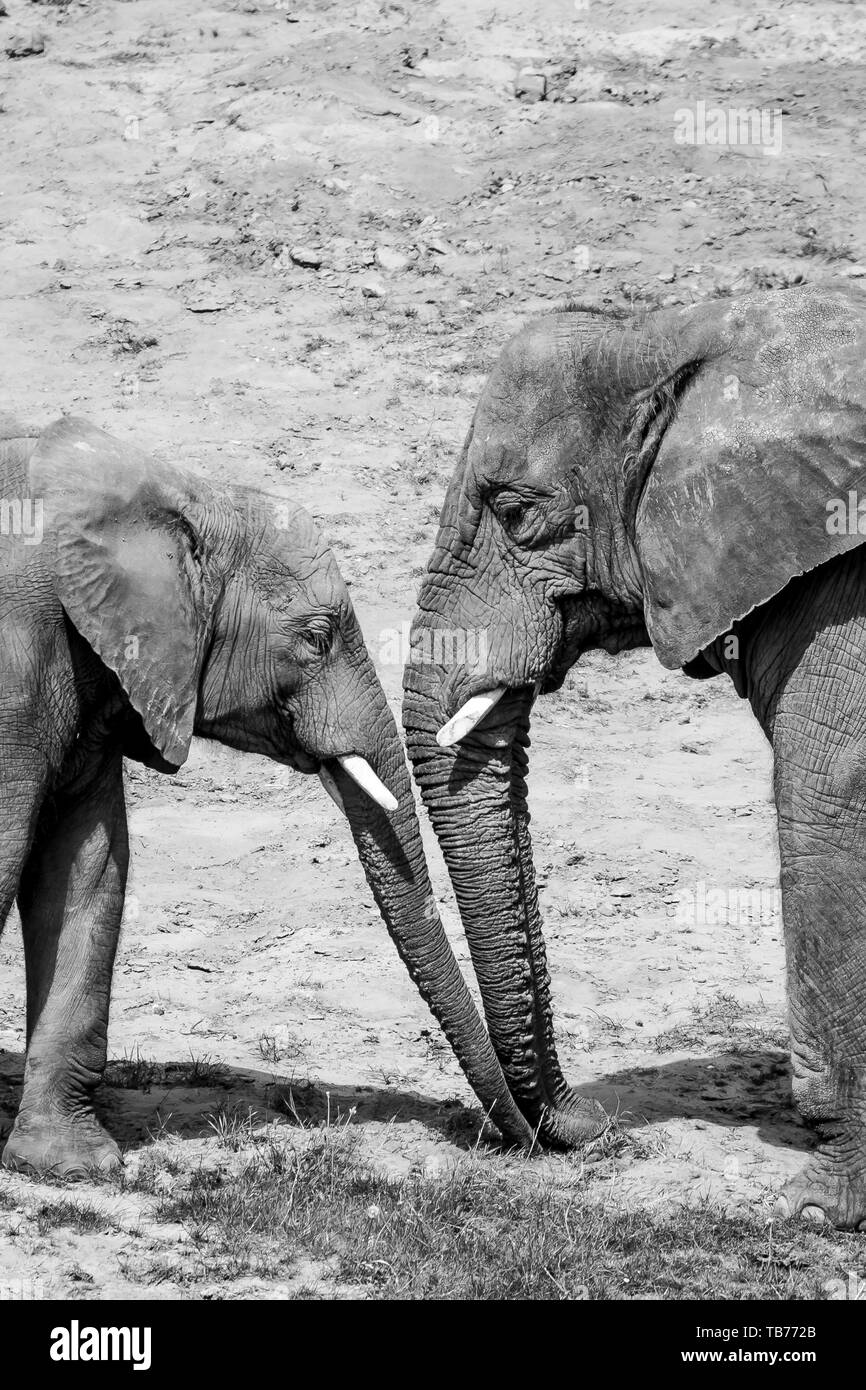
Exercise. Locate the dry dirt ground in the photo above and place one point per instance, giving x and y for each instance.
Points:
(282, 243)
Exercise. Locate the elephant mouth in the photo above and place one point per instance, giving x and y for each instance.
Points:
(329, 769)
(300, 761)
(354, 767)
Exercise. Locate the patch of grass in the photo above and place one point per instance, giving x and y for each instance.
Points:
(723, 1018)
(313, 344)
(153, 1174)
(489, 1230)
(137, 1073)
(200, 1071)
(823, 245)
(269, 1049)
(133, 1072)
(82, 1218)
(234, 1128)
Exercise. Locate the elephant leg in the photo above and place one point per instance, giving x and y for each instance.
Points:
(21, 778)
(819, 737)
(824, 909)
(71, 903)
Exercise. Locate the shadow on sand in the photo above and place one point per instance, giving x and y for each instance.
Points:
(141, 1100)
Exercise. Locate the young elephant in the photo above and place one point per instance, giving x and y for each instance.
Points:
(691, 478)
(141, 607)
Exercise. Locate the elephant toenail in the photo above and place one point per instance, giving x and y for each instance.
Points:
(814, 1214)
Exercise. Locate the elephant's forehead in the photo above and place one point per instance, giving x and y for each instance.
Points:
(305, 584)
(528, 376)
(537, 451)
(508, 427)
(292, 559)
(533, 430)
(310, 564)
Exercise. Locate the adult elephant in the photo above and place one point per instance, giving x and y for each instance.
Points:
(685, 478)
(139, 607)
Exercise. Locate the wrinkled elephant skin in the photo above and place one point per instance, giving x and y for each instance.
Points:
(141, 607)
(687, 479)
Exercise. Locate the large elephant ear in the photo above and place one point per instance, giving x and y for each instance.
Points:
(754, 444)
(125, 559)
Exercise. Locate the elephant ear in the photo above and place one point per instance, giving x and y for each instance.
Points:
(125, 559)
(749, 452)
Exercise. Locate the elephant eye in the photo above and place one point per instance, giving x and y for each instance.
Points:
(318, 635)
(510, 510)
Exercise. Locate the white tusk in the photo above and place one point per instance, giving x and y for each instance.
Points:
(466, 718)
(331, 788)
(361, 772)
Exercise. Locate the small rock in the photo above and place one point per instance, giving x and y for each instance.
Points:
(209, 300)
(854, 272)
(530, 85)
(387, 258)
(306, 256)
(24, 45)
(373, 289)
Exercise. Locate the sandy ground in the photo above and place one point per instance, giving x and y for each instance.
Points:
(163, 160)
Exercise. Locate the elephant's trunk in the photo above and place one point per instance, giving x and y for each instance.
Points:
(392, 855)
(476, 795)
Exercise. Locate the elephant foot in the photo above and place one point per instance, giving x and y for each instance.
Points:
(58, 1147)
(824, 1193)
(577, 1120)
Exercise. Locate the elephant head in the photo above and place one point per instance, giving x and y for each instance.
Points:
(626, 480)
(225, 615)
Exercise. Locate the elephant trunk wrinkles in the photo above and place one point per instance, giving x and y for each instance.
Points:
(476, 796)
(392, 856)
